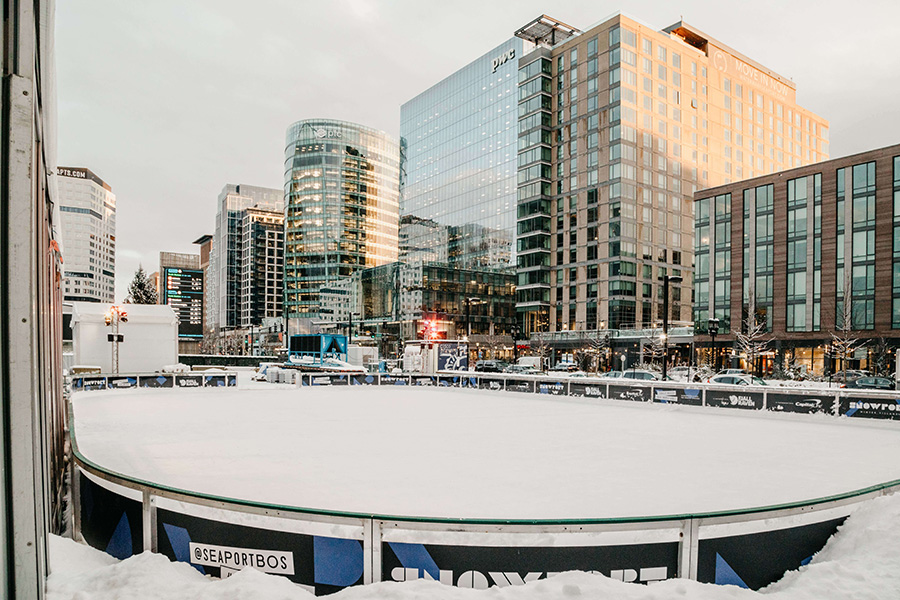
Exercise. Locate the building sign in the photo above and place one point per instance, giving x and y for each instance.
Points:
(183, 289)
(79, 173)
(70, 172)
(503, 58)
(322, 133)
(743, 72)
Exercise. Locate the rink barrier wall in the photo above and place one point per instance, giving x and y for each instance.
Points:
(837, 402)
(125, 381)
(325, 551)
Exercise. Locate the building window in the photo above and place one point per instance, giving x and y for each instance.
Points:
(895, 318)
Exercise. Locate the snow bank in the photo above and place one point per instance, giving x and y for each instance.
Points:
(860, 562)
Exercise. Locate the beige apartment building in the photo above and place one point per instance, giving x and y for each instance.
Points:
(619, 125)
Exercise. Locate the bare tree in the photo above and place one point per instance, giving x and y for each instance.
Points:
(654, 347)
(600, 344)
(752, 339)
(843, 342)
(881, 350)
(584, 358)
(210, 342)
(539, 344)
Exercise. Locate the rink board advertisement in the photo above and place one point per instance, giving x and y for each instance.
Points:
(519, 385)
(588, 389)
(157, 381)
(428, 380)
(755, 560)
(491, 383)
(799, 403)
(735, 399)
(871, 408)
(326, 379)
(321, 564)
(673, 395)
(189, 381)
(470, 381)
(393, 380)
(553, 387)
(363, 379)
(635, 393)
(120, 382)
(481, 567)
(109, 521)
(89, 384)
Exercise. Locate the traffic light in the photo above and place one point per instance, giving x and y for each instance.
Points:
(123, 316)
(107, 318)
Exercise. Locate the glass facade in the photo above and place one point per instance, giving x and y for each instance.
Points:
(224, 279)
(712, 263)
(458, 195)
(534, 192)
(804, 253)
(341, 208)
(262, 266)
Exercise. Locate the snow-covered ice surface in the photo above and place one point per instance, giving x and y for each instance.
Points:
(466, 453)
(860, 562)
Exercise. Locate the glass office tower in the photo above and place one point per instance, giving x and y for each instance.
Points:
(458, 198)
(341, 209)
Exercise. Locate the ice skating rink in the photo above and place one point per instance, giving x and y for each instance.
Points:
(469, 454)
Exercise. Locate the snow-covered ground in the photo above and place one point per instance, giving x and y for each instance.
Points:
(861, 562)
(469, 453)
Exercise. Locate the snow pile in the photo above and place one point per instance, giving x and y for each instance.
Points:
(860, 562)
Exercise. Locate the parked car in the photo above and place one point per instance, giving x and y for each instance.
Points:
(737, 379)
(679, 373)
(870, 383)
(522, 370)
(564, 367)
(489, 366)
(641, 375)
(611, 374)
(849, 374)
(732, 372)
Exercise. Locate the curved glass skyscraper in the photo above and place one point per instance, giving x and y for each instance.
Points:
(341, 193)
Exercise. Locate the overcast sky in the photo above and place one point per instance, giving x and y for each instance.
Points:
(169, 100)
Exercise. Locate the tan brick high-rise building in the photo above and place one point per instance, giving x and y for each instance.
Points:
(618, 127)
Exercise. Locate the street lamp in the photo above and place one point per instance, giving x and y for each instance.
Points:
(112, 318)
(666, 281)
(713, 328)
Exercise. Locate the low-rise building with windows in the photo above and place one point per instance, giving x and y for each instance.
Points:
(810, 254)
